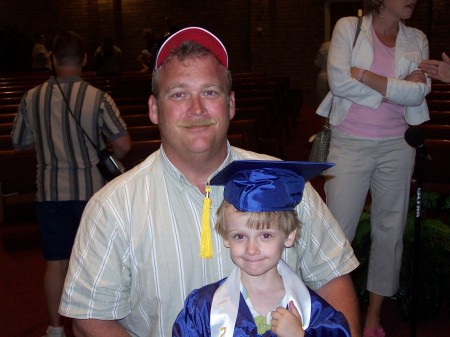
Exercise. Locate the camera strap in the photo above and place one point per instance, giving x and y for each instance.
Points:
(73, 116)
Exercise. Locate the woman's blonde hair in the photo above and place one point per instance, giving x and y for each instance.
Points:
(286, 221)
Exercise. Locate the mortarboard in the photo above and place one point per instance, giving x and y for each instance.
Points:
(265, 186)
(260, 186)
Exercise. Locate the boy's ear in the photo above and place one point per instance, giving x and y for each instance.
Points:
(226, 243)
(290, 240)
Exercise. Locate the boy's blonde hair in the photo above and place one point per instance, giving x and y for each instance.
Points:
(286, 221)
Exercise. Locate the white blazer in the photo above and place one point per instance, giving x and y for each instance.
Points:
(411, 48)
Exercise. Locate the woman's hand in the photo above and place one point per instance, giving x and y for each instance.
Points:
(417, 76)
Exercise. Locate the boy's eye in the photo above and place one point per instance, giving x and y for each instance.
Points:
(266, 235)
(239, 236)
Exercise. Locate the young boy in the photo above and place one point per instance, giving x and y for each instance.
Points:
(262, 296)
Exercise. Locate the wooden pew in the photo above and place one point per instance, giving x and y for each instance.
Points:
(8, 109)
(435, 131)
(439, 95)
(131, 100)
(6, 128)
(144, 132)
(436, 172)
(438, 105)
(137, 109)
(275, 116)
(136, 119)
(7, 117)
(439, 117)
(266, 130)
(255, 143)
(5, 142)
(18, 180)
(139, 151)
(440, 86)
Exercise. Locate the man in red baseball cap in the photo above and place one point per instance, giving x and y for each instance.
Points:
(145, 241)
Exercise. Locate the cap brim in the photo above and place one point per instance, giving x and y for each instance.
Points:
(305, 169)
(197, 34)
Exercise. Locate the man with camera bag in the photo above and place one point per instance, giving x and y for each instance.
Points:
(66, 120)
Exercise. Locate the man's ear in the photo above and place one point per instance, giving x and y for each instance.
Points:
(232, 105)
(153, 109)
(290, 240)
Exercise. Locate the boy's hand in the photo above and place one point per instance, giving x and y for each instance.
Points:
(287, 323)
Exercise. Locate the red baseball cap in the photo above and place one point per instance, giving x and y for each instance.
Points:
(197, 34)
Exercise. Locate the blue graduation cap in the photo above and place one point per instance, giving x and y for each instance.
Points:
(266, 185)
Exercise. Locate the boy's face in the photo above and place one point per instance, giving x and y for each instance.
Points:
(255, 251)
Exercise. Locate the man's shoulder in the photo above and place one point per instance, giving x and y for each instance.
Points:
(241, 154)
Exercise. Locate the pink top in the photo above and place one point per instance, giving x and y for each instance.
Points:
(387, 121)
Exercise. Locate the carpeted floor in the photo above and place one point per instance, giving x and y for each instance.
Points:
(22, 308)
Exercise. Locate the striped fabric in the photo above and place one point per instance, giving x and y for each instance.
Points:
(66, 159)
(136, 255)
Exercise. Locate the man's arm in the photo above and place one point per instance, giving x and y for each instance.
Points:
(98, 328)
(121, 146)
(340, 293)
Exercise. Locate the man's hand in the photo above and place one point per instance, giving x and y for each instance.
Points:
(287, 323)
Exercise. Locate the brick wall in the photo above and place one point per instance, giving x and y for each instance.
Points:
(275, 37)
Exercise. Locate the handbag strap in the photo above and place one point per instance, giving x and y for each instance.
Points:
(358, 30)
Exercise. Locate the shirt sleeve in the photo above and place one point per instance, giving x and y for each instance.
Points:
(324, 251)
(98, 281)
(113, 125)
(21, 135)
(404, 92)
(342, 58)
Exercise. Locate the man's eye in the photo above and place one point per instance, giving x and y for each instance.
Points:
(210, 93)
(178, 95)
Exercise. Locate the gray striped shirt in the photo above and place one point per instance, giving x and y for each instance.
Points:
(66, 159)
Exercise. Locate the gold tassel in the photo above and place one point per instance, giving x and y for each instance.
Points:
(205, 239)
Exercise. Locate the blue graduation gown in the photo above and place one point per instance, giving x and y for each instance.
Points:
(193, 320)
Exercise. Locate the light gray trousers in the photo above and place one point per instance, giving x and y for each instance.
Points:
(384, 167)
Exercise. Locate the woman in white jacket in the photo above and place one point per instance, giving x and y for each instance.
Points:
(377, 91)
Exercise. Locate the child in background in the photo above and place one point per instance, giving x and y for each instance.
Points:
(262, 296)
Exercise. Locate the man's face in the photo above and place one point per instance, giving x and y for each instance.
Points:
(193, 109)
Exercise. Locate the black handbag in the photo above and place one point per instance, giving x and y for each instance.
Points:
(108, 165)
(321, 141)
